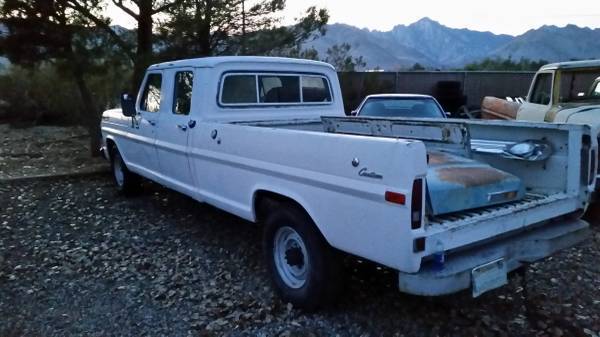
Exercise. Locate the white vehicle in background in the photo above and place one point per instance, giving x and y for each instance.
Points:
(448, 204)
(400, 105)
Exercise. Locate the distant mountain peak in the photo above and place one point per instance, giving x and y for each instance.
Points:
(434, 45)
(425, 21)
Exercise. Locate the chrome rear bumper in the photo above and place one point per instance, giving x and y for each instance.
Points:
(516, 250)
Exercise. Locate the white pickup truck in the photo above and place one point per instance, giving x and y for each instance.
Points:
(448, 204)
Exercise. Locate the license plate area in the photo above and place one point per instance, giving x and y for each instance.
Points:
(488, 276)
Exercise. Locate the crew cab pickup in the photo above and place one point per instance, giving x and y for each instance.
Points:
(449, 204)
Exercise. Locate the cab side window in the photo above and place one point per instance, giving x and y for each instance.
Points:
(239, 89)
(542, 90)
(182, 94)
(151, 96)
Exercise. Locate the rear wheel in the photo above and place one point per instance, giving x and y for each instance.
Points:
(304, 268)
(126, 181)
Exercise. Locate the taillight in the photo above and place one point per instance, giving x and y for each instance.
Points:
(416, 204)
(395, 197)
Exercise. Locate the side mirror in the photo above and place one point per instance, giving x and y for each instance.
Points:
(128, 105)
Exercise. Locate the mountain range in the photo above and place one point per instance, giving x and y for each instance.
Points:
(434, 45)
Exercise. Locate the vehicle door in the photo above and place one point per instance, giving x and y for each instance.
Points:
(539, 100)
(143, 156)
(173, 135)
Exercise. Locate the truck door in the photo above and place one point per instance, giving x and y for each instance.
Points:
(539, 100)
(142, 154)
(173, 134)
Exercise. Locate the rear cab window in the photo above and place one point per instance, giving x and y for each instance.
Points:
(279, 89)
(151, 96)
(265, 89)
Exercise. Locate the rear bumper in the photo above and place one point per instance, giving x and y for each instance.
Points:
(525, 247)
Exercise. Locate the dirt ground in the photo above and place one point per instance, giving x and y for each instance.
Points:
(78, 259)
(42, 150)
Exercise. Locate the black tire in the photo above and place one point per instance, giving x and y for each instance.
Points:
(322, 279)
(127, 182)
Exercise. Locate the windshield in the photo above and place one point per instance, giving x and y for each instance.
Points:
(401, 107)
(579, 86)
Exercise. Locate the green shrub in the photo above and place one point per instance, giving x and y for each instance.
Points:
(44, 95)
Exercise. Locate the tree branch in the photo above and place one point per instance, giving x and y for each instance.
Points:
(119, 3)
(165, 7)
(104, 26)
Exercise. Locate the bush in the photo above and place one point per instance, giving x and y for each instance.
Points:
(34, 96)
(44, 95)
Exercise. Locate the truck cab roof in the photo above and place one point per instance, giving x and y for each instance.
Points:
(572, 65)
(214, 61)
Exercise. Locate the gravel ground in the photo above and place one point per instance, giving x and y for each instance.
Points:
(43, 150)
(78, 259)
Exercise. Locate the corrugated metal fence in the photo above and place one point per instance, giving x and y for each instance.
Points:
(473, 84)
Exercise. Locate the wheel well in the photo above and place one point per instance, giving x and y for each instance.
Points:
(110, 146)
(265, 201)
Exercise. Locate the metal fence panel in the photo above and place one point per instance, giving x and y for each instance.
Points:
(475, 84)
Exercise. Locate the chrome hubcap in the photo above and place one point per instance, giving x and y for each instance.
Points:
(291, 259)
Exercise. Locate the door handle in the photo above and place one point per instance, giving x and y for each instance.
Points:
(153, 123)
(182, 127)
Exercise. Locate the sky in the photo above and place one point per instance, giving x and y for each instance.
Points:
(512, 17)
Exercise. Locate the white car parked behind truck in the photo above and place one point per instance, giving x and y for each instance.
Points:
(449, 204)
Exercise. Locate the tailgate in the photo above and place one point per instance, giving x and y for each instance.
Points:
(555, 186)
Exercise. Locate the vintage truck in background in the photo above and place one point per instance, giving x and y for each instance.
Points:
(566, 92)
(448, 204)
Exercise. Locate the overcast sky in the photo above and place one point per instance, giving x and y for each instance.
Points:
(499, 16)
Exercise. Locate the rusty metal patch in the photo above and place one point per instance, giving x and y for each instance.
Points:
(441, 158)
(438, 158)
(471, 176)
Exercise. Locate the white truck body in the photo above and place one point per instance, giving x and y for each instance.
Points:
(339, 170)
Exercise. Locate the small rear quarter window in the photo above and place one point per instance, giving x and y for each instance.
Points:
(315, 89)
(239, 89)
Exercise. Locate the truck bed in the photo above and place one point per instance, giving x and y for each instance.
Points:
(550, 190)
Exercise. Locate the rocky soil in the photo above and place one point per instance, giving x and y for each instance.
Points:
(43, 150)
(77, 259)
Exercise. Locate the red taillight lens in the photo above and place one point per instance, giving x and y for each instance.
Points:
(396, 198)
(416, 204)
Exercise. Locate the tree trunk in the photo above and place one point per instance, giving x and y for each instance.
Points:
(203, 35)
(91, 116)
(144, 43)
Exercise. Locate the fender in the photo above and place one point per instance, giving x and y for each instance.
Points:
(110, 137)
